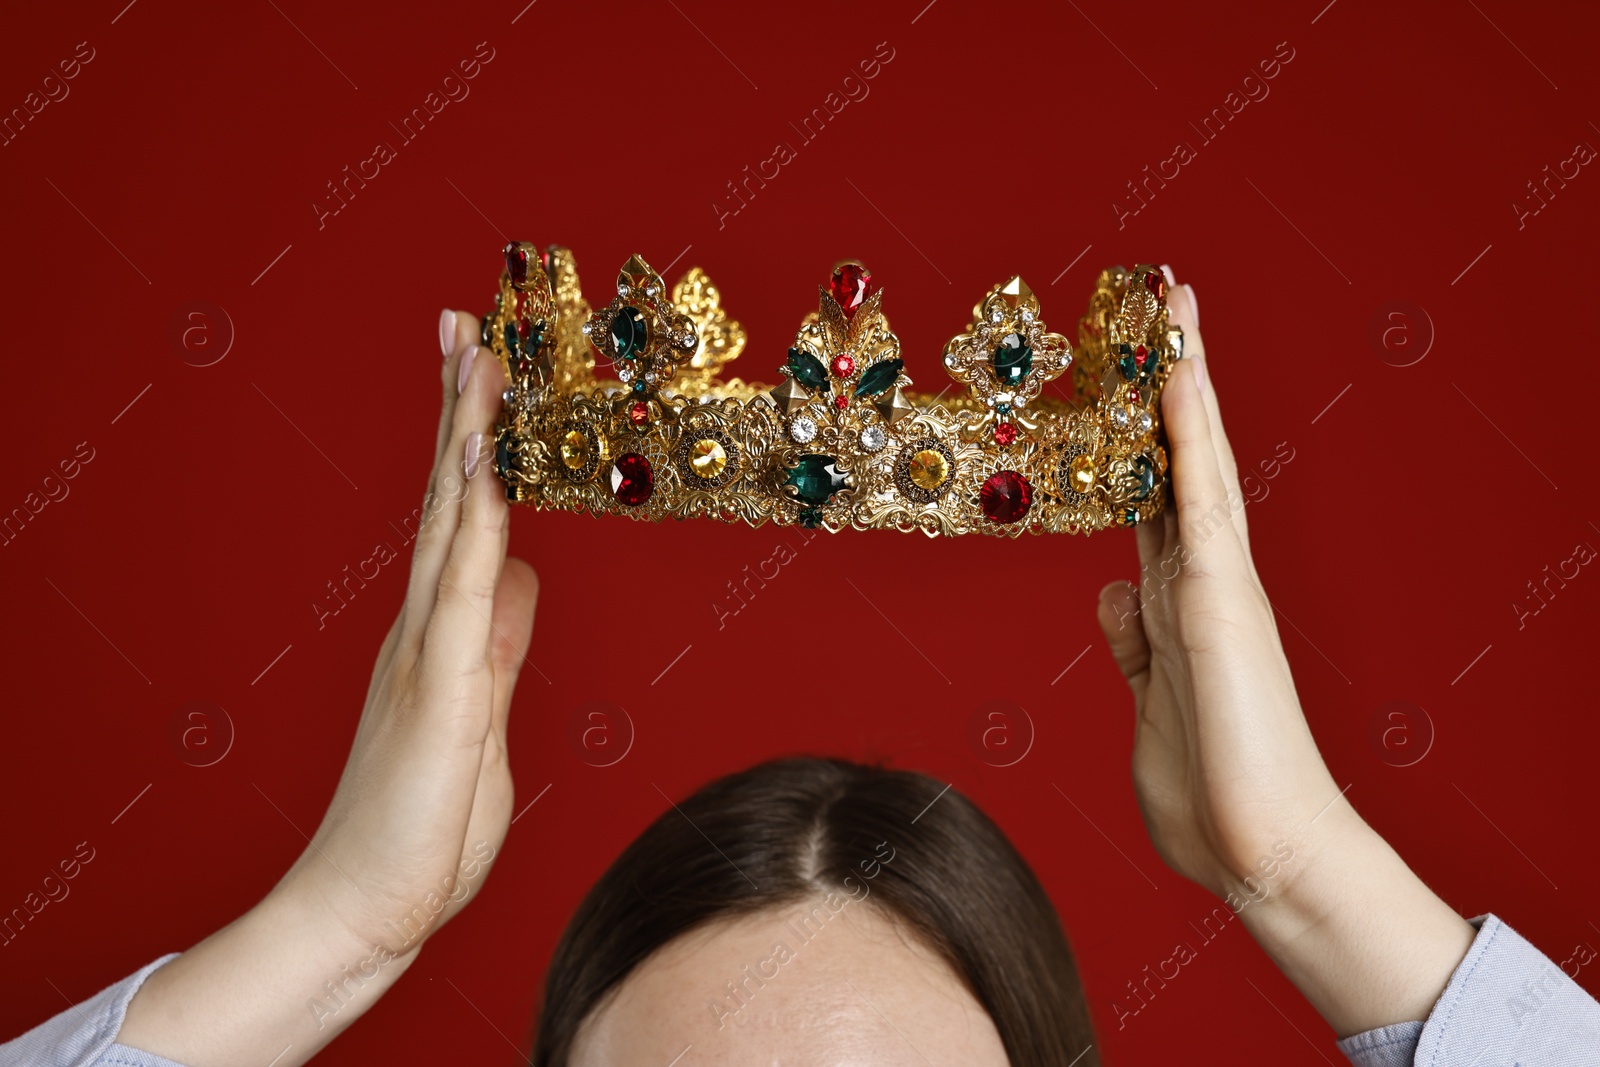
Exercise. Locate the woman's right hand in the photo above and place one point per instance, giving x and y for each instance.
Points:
(425, 799)
(1228, 776)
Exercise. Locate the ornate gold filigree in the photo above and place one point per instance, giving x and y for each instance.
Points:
(840, 441)
(721, 338)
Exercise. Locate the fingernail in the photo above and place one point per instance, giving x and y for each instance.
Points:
(1167, 272)
(447, 331)
(1199, 366)
(1194, 304)
(470, 463)
(466, 367)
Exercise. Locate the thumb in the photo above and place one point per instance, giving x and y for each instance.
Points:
(515, 597)
(1120, 621)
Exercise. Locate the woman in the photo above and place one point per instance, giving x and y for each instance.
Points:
(931, 934)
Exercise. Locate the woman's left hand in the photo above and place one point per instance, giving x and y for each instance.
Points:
(1234, 792)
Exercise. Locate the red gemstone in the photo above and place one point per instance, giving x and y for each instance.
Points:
(1005, 496)
(851, 285)
(841, 402)
(639, 413)
(1154, 282)
(843, 366)
(632, 480)
(544, 261)
(1005, 433)
(517, 263)
(1140, 355)
(1133, 395)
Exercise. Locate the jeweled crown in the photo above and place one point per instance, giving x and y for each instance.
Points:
(840, 441)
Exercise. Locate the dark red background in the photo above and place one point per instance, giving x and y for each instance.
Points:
(191, 548)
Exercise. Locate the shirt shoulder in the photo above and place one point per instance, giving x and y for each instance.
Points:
(85, 1034)
(1506, 1002)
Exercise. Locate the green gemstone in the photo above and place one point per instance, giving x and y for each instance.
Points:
(1144, 477)
(808, 370)
(1002, 408)
(1012, 359)
(1128, 365)
(629, 334)
(1131, 517)
(879, 377)
(638, 385)
(815, 478)
(810, 518)
(502, 454)
(517, 343)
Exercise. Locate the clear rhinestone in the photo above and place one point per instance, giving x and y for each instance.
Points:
(651, 291)
(949, 359)
(1020, 402)
(1119, 417)
(508, 396)
(802, 428)
(1144, 422)
(650, 376)
(622, 290)
(587, 326)
(994, 315)
(1027, 316)
(1065, 361)
(624, 372)
(873, 438)
(688, 340)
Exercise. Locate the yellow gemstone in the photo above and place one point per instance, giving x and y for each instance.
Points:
(574, 449)
(929, 469)
(707, 458)
(1083, 474)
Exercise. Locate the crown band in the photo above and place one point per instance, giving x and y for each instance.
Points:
(840, 441)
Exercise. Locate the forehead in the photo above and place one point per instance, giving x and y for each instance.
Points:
(826, 982)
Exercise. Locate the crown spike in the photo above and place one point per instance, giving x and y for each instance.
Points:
(637, 273)
(894, 406)
(1017, 295)
(789, 395)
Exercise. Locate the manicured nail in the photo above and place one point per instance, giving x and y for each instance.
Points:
(466, 367)
(1194, 305)
(1167, 272)
(447, 331)
(470, 463)
(1199, 366)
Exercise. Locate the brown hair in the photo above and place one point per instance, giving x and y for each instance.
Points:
(782, 831)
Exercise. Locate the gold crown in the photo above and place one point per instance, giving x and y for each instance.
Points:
(840, 441)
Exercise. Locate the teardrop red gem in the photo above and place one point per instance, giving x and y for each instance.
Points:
(517, 263)
(851, 285)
